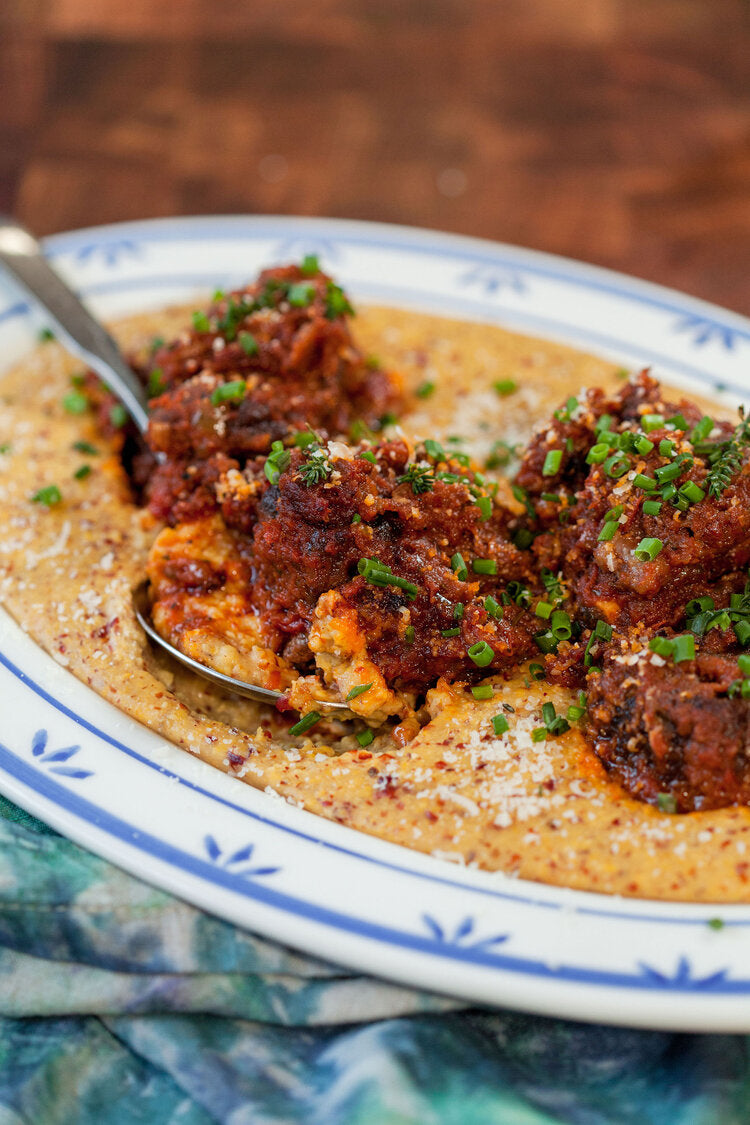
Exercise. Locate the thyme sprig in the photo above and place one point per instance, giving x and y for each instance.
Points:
(420, 477)
(317, 468)
(725, 458)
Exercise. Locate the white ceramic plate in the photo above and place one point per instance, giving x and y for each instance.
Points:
(121, 791)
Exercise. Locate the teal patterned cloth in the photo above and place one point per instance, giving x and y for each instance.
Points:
(120, 1004)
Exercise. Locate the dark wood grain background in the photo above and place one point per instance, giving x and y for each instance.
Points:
(616, 131)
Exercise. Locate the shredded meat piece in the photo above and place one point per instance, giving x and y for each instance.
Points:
(667, 730)
(256, 366)
(310, 539)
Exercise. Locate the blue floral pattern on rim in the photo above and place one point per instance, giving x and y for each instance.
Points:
(55, 759)
(461, 934)
(703, 331)
(234, 861)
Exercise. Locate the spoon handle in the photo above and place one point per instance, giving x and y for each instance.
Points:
(23, 260)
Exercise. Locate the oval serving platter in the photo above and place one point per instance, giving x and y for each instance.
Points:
(118, 789)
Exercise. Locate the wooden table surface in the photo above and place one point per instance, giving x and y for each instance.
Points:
(616, 131)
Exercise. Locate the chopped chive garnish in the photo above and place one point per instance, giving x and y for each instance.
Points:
(601, 632)
(45, 335)
(75, 403)
(505, 387)
(493, 607)
(652, 507)
(642, 445)
(648, 549)
(679, 421)
(644, 482)
(409, 634)
(651, 422)
(310, 264)
(577, 711)
(545, 642)
(667, 447)
(554, 724)
(82, 473)
(703, 429)
(365, 737)
(360, 689)
(368, 456)
(692, 492)
(337, 303)
(424, 390)
(459, 567)
(539, 734)
(356, 518)
(485, 506)
(435, 450)
(500, 724)
(543, 609)
(118, 415)
(458, 611)
(303, 438)
(677, 648)
(560, 625)
(380, 574)
(597, 454)
(307, 721)
(523, 538)
(6, 447)
(228, 392)
(608, 531)
(552, 463)
(248, 343)
(49, 496)
(743, 663)
(85, 447)
(537, 671)
(156, 382)
(500, 455)
(300, 294)
(715, 923)
(201, 322)
(616, 466)
(454, 632)
(483, 691)
(484, 566)
(481, 654)
(550, 497)
(666, 803)
(603, 422)
(668, 473)
(276, 462)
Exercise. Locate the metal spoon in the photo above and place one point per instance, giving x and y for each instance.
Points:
(23, 260)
